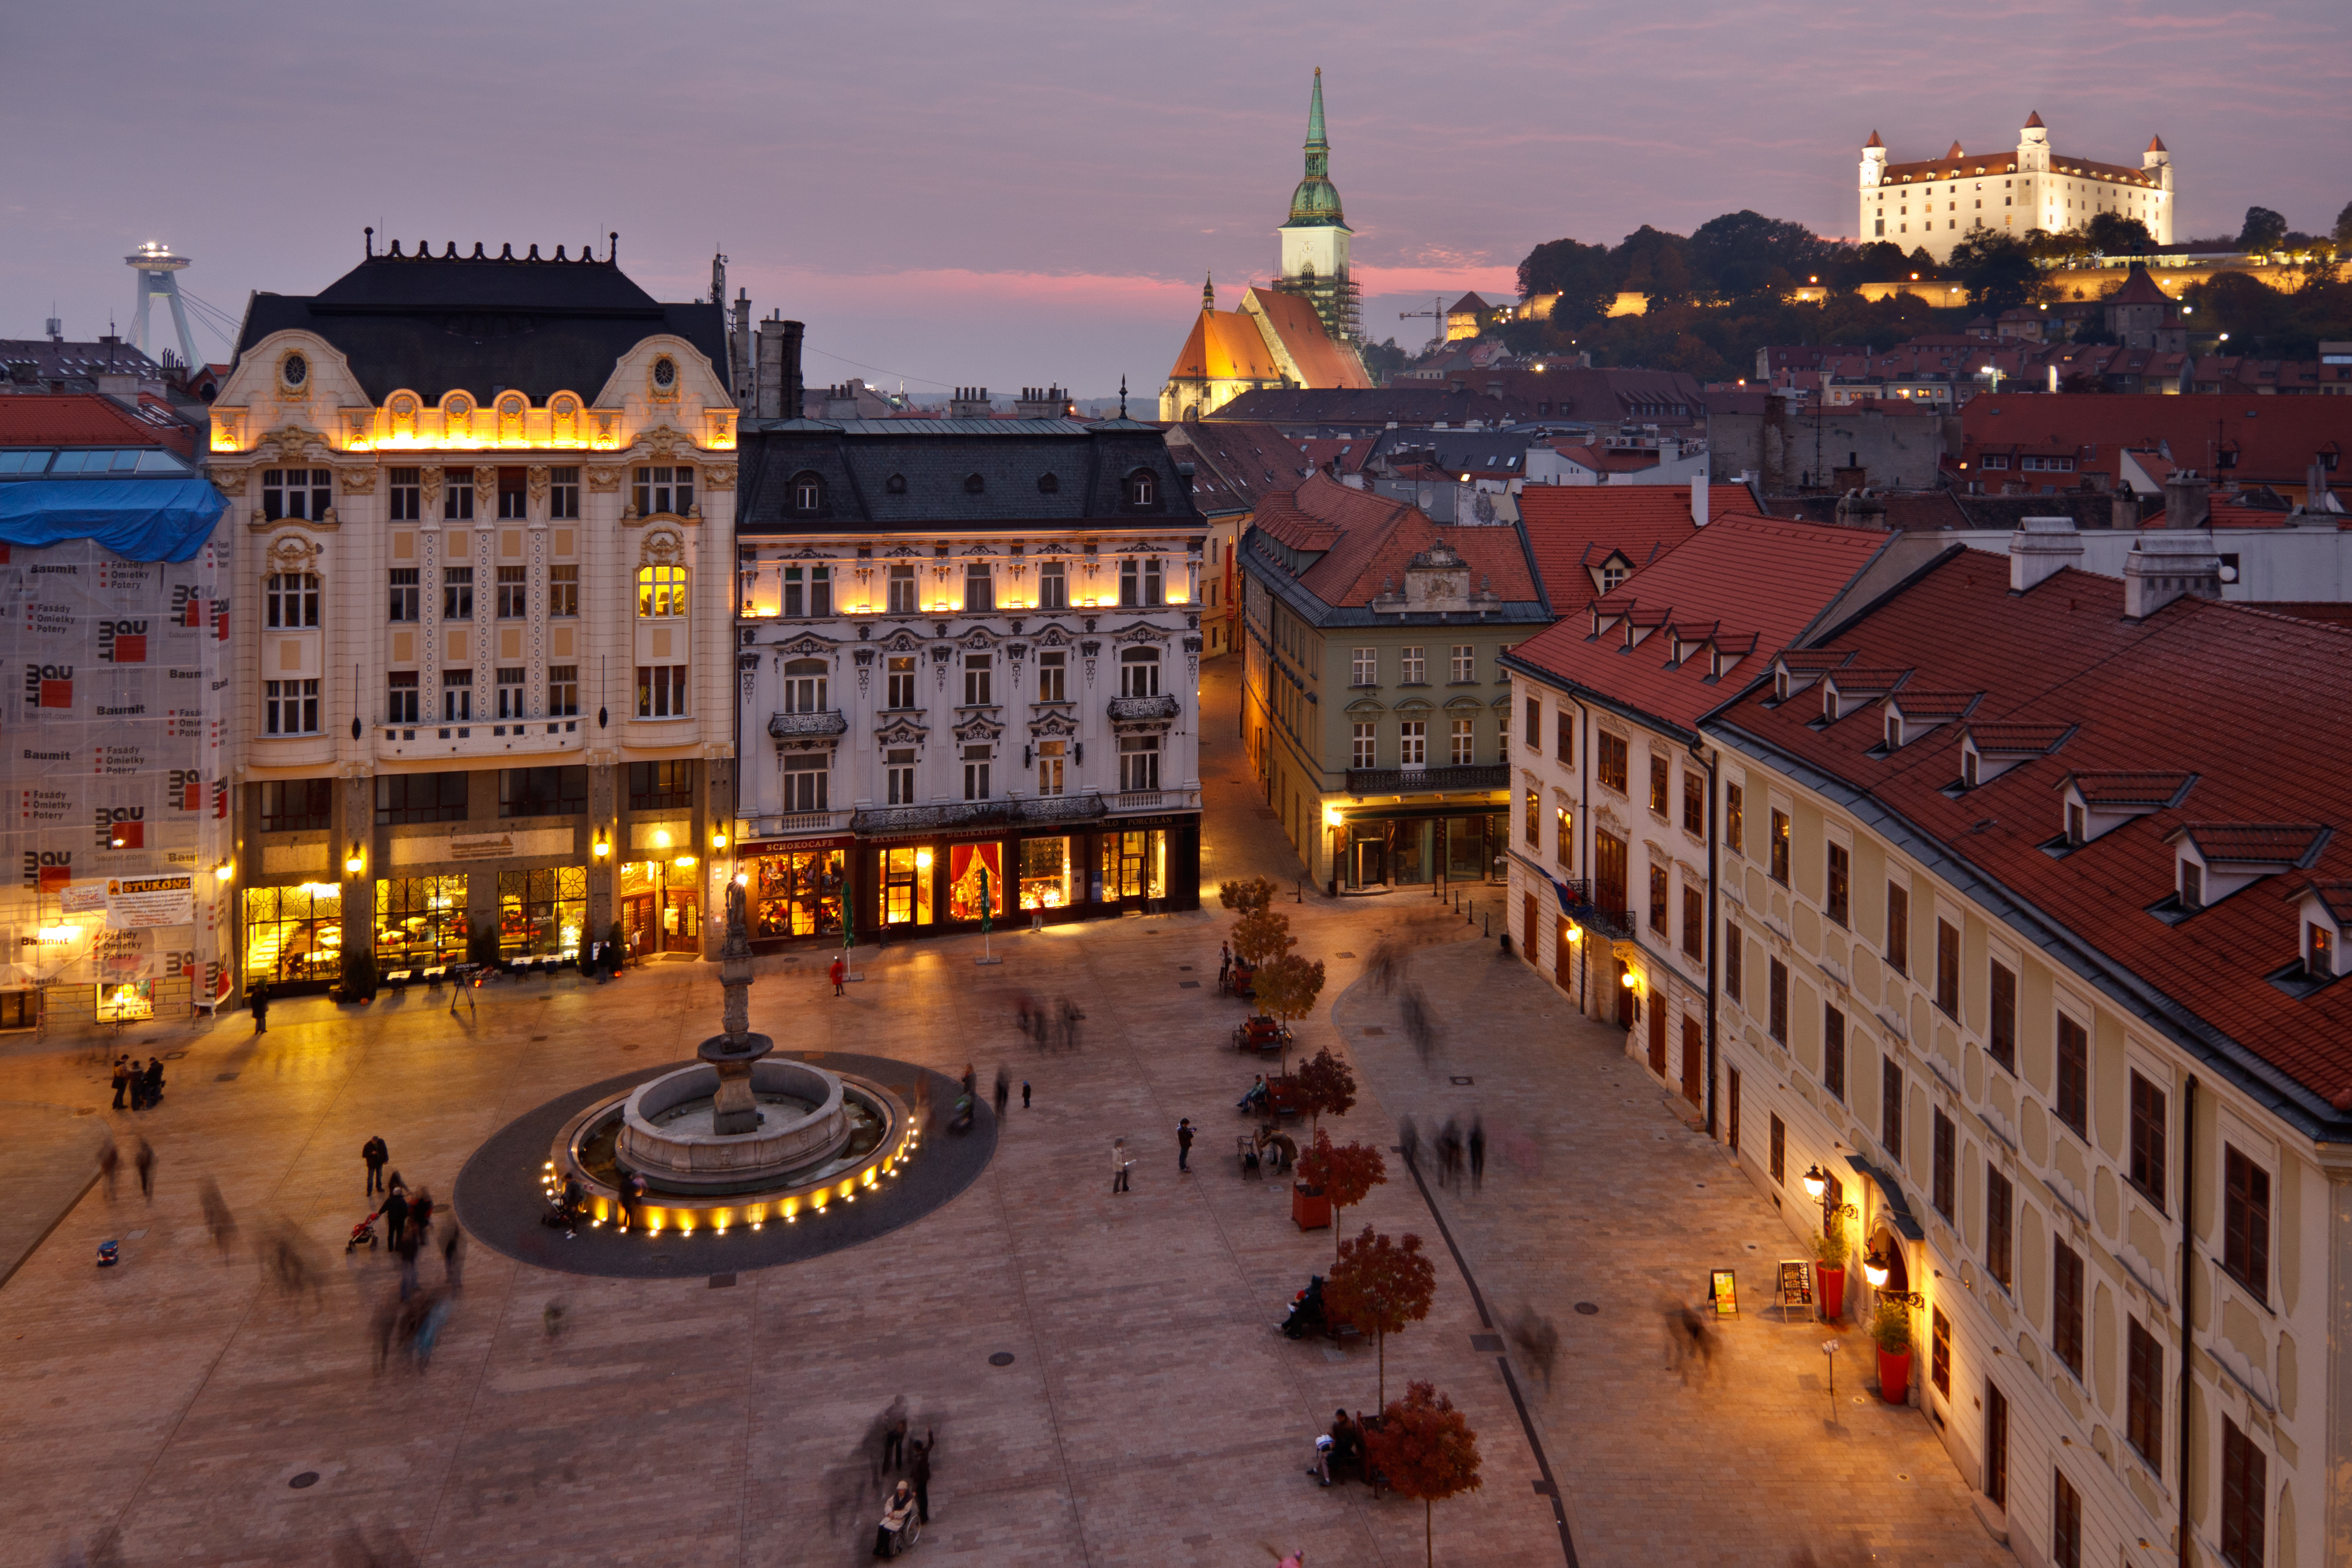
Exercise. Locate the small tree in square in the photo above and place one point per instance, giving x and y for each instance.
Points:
(1326, 1087)
(1286, 987)
(1247, 895)
(1260, 937)
(1427, 1451)
(1381, 1286)
(1345, 1174)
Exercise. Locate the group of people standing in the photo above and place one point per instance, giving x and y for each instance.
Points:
(145, 1086)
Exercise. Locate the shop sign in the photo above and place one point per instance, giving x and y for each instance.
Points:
(1724, 1291)
(1137, 824)
(796, 846)
(482, 846)
(1796, 1283)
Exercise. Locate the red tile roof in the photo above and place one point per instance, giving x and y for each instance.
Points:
(2281, 843)
(1365, 539)
(1573, 530)
(1323, 363)
(2275, 438)
(2187, 709)
(1760, 577)
(88, 419)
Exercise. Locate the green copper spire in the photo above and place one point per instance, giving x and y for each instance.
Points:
(1316, 201)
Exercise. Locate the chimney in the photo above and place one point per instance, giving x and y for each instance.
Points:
(1698, 499)
(739, 353)
(2185, 499)
(2040, 548)
(2123, 509)
(2164, 565)
(776, 379)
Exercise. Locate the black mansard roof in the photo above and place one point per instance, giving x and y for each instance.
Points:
(1031, 474)
(439, 323)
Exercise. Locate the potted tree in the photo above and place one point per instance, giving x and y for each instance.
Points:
(1381, 1286)
(1250, 897)
(1830, 1250)
(1333, 1178)
(1326, 1087)
(1286, 989)
(1892, 1329)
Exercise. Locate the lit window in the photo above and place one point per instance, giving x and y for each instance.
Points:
(661, 593)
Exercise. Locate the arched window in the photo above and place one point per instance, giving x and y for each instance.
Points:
(805, 686)
(1138, 672)
(808, 494)
(895, 484)
(1048, 484)
(1142, 487)
(661, 593)
(974, 484)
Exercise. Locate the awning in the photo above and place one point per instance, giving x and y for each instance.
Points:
(1898, 1208)
(139, 520)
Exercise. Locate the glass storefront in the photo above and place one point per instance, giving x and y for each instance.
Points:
(1134, 866)
(420, 922)
(1472, 846)
(132, 1002)
(969, 865)
(907, 886)
(1047, 868)
(542, 911)
(1396, 852)
(661, 909)
(294, 934)
(796, 893)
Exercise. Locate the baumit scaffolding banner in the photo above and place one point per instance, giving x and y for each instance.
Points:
(114, 710)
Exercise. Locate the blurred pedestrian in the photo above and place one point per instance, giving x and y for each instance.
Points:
(1409, 1140)
(258, 1000)
(550, 1319)
(122, 1079)
(918, 1470)
(1004, 1091)
(1478, 1152)
(375, 1155)
(217, 1219)
(894, 1434)
(110, 1162)
(453, 1255)
(405, 1249)
(1537, 1340)
(1119, 1164)
(420, 1216)
(154, 1080)
(1024, 1094)
(1184, 1145)
(839, 974)
(145, 1159)
(1449, 1153)
(1069, 1025)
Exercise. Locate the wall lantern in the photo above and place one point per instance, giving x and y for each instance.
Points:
(356, 861)
(1815, 1183)
(601, 846)
(226, 870)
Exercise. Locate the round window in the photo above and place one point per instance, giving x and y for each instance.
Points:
(511, 407)
(896, 485)
(459, 406)
(296, 370)
(565, 408)
(665, 372)
(403, 408)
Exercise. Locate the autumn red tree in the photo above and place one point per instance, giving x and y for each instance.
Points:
(1346, 1174)
(1427, 1451)
(1381, 1286)
(1326, 1087)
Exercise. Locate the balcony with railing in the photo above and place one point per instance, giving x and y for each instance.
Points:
(1136, 709)
(817, 724)
(1602, 911)
(797, 824)
(1428, 781)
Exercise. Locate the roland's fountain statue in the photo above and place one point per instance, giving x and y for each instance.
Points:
(733, 1109)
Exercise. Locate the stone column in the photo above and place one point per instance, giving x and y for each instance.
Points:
(604, 871)
(716, 814)
(356, 824)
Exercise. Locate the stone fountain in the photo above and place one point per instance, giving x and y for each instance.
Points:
(738, 1122)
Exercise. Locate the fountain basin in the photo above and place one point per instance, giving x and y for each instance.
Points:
(806, 1123)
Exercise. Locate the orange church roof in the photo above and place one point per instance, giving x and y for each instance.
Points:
(1224, 345)
(1322, 362)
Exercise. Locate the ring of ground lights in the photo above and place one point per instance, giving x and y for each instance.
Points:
(683, 1214)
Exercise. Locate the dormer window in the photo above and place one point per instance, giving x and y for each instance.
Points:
(1969, 766)
(2078, 828)
(1142, 488)
(2192, 884)
(808, 495)
(1894, 731)
(2318, 951)
(1781, 686)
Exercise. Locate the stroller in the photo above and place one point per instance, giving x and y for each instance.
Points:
(363, 1231)
(1306, 1312)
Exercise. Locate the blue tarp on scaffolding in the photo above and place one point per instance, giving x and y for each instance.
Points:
(137, 518)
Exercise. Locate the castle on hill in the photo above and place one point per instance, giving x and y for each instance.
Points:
(1932, 205)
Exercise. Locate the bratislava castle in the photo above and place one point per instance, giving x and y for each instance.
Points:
(1932, 205)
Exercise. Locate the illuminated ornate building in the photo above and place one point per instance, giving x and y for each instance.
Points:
(483, 520)
(1932, 205)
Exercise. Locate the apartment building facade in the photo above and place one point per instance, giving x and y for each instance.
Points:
(482, 514)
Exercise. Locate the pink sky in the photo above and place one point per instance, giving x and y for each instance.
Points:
(1021, 193)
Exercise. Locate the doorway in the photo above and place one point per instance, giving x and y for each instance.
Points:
(1371, 868)
(1693, 1059)
(1657, 1037)
(1625, 1001)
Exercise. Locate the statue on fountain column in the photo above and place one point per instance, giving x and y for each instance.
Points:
(732, 1052)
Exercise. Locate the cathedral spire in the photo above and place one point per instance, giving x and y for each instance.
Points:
(1208, 293)
(1316, 141)
(1316, 201)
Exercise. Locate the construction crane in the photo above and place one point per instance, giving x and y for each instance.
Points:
(1436, 313)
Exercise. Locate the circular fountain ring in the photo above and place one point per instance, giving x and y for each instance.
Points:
(675, 1160)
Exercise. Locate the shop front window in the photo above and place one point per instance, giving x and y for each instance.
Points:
(420, 922)
(129, 1001)
(967, 866)
(905, 887)
(1469, 856)
(542, 911)
(797, 893)
(1134, 866)
(294, 934)
(1045, 868)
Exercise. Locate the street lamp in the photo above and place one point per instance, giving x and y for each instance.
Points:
(356, 861)
(1875, 1271)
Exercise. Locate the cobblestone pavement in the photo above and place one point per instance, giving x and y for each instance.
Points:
(1149, 1415)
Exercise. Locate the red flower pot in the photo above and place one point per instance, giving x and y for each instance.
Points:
(1829, 1291)
(1893, 1375)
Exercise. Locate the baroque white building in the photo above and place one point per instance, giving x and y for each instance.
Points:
(1933, 204)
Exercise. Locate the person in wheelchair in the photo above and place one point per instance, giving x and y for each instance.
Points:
(898, 1514)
